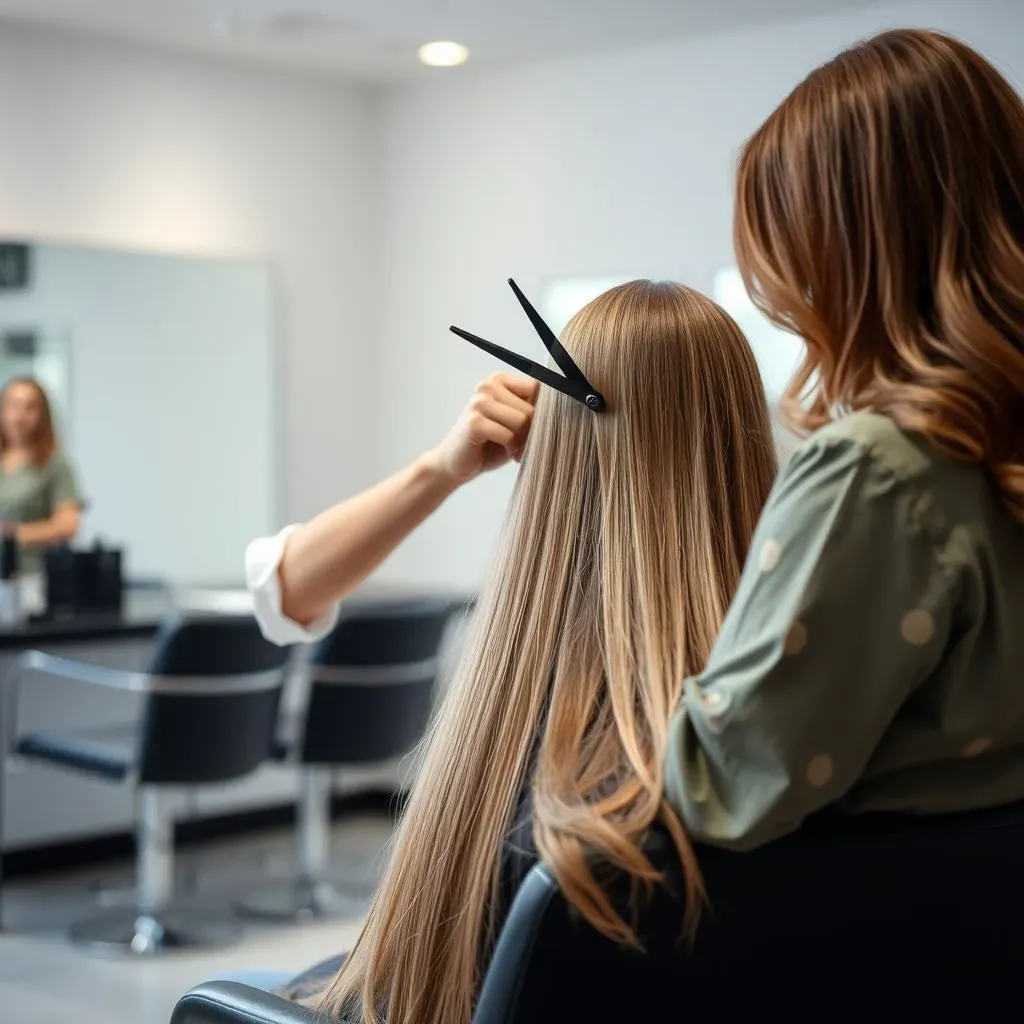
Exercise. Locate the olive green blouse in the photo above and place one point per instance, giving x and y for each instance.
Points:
(873, 657)
(31, 493)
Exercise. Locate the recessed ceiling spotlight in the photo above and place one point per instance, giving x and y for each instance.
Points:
(443, 54)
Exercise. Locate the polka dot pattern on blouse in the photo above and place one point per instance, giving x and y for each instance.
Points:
(820, 771)
(770, 555)
(796, 639)
(861, 641)
(716, 704)
(917, 627)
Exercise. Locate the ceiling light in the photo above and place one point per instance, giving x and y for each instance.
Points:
(443, 54)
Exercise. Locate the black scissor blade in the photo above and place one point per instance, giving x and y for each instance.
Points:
(548, 337)
(527, 366)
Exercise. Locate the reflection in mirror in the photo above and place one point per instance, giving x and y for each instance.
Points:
(43, 353)
(159, 371)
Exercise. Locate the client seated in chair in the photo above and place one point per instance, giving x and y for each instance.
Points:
(623, 547)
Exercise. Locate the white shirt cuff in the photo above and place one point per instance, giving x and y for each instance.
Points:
(262, 558)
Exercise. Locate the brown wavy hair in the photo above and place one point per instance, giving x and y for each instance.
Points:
(880, 215)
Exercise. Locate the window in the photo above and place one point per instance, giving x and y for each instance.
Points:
(778, 353)
(563, 297)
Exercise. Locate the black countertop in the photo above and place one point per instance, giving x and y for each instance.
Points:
(145, 608)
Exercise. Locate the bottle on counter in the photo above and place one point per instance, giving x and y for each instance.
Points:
(11, 611)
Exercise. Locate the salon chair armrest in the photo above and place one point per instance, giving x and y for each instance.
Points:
(227, 1002)
(78, 671)
(38, 663)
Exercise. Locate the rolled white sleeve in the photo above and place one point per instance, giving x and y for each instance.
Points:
(262, 558)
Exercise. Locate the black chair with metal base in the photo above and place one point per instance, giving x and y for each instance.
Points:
(371, 690)
(210, 707)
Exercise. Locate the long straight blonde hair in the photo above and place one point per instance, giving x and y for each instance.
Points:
(622, 549)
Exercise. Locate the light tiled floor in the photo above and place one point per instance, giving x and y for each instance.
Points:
(44, 979)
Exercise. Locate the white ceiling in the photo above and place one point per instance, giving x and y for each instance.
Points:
(376, 40)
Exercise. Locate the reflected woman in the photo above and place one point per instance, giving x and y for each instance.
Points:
(38, 494)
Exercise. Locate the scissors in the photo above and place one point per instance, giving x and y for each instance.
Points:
(573, 383)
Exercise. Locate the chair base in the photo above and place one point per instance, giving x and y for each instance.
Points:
(127, 932)
(125, 895)
(112, 895)
(304, 900)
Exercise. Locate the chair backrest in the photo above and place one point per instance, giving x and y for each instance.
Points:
(211, 710)
(880, 919)
(372, 680)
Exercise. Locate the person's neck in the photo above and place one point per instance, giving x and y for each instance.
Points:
(16, 456)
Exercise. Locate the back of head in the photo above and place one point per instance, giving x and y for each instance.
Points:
(880, 215)
(623, 546)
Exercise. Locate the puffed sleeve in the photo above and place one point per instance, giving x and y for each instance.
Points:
(843, 609)
(262, 558)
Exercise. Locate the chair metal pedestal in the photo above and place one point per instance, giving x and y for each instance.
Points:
(152, 925)
(371, 690)
(122, 932)
(311, 893)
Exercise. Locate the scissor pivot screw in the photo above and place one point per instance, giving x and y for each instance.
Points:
(595, 403)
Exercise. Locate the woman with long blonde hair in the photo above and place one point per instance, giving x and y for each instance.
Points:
(623, 546)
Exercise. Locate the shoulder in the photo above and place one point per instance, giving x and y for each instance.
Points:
(58, 464)
(864, 469)
(859, 462)
(874, 444)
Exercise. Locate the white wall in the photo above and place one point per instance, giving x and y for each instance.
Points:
(119, 146)
(386, 219)
(617, 163)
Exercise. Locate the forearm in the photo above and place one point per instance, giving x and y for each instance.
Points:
(332, 554)
(46, 532)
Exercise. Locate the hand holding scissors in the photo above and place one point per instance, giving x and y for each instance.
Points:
(491, 430)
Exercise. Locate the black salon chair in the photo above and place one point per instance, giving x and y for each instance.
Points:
(210, 708)
(371, 686)
(883, 919)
